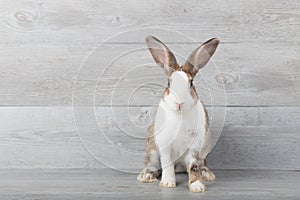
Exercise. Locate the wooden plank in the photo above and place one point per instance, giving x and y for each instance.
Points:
(81, 22)
(250, 74)
(41, 138)
(109, 184)
(267, 145)
(46, 137)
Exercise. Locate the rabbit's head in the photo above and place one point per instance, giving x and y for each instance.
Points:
(180, 95)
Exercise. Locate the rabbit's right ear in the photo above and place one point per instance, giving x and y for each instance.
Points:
(162, 55)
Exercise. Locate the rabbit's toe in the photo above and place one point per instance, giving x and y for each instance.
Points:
(146, 177)
(168, 183)
(197, 186)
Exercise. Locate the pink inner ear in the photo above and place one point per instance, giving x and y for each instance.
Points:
(200, 57)
(158, 53)
(161, 56)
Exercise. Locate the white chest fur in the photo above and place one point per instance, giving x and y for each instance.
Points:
(179, 132)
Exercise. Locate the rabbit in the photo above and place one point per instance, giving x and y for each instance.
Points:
(179, 139)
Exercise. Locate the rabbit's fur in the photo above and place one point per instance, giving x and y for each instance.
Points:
(178, 140)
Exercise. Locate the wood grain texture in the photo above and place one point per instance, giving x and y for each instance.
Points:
(253, 79)
(125, 74)
(108, 184)
(88, 22)
(46, 137)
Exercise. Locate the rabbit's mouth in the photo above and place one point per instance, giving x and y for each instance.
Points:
(179, 107)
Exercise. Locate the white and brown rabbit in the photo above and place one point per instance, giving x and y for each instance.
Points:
(178, 140)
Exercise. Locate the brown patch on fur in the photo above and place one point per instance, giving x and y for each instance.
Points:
(198, 169)
(205, 161)
(150, 142)
(194, 172)
(206, 119)
(173, 67)
(189, 69)
(166, 93)
(194, 93)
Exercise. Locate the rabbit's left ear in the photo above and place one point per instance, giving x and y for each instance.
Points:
(200, 56)
(162, 55)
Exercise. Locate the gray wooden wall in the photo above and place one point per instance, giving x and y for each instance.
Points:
(44, 43)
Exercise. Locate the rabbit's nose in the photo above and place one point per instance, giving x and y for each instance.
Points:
(179, 106)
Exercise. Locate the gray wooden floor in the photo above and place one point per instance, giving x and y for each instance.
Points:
(109, 184)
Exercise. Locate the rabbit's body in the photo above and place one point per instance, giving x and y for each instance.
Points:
(178, 139)
(187, 131)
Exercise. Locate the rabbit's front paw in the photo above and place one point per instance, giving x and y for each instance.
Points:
(147, 176)
(168, 183)
(207, 175)
(197, 186)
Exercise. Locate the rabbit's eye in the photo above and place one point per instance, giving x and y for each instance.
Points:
(191, 83)
(169, 82)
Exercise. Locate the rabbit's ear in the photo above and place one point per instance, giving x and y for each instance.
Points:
(162, 55)
(200, 56)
